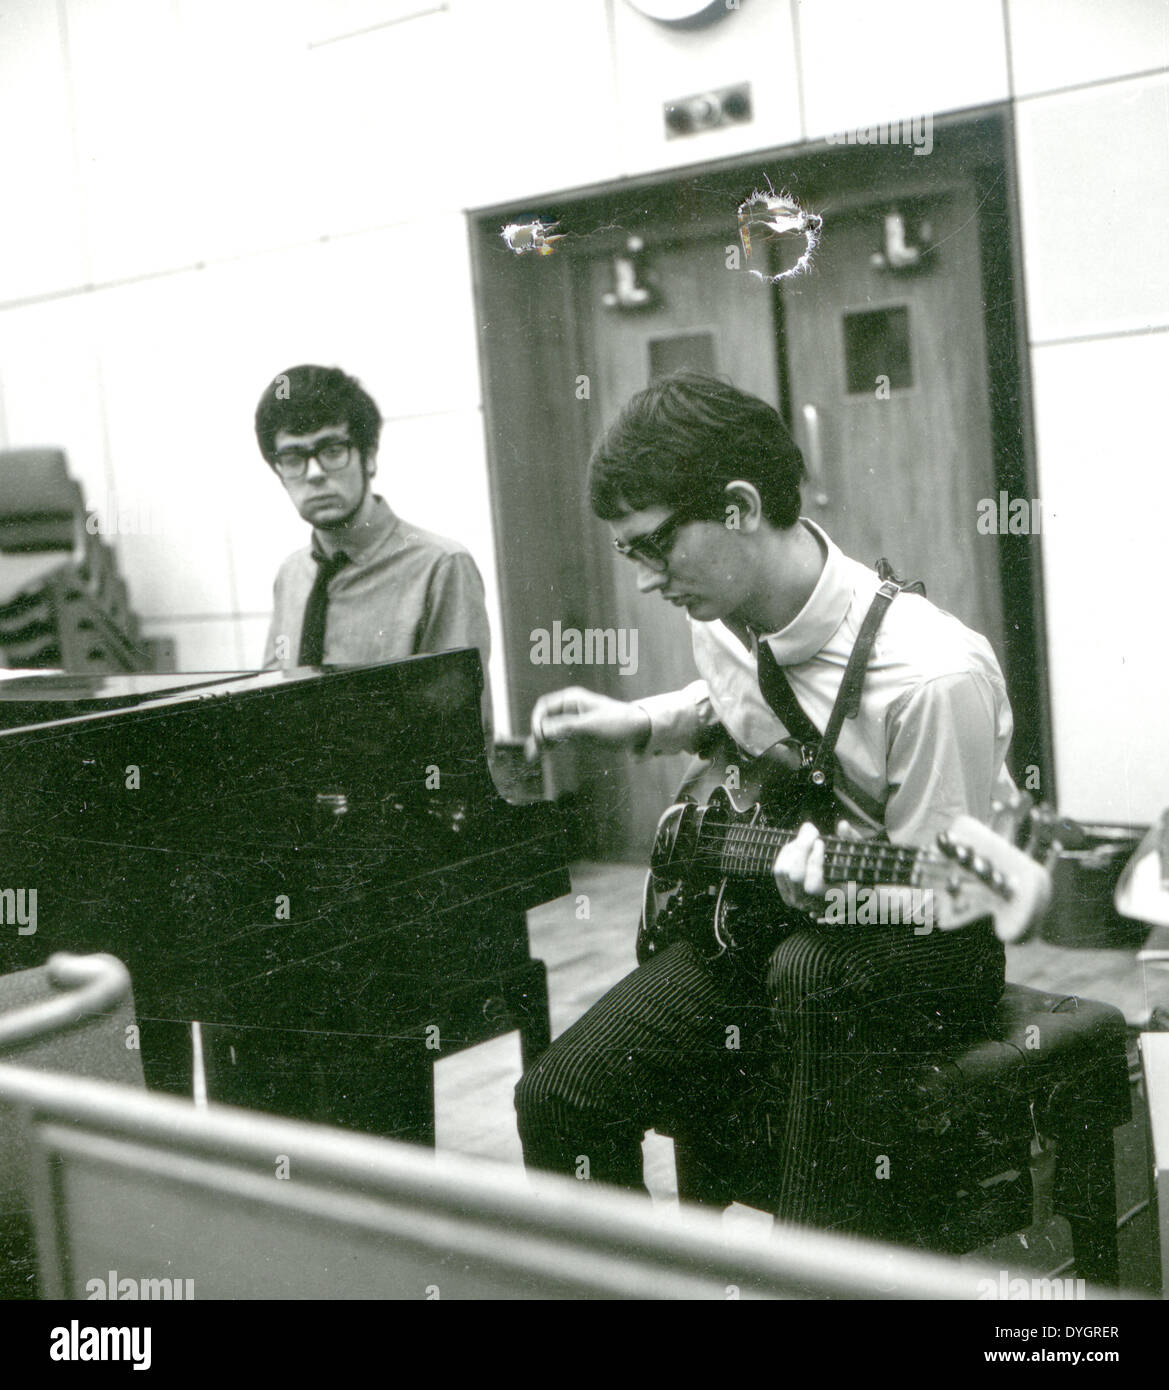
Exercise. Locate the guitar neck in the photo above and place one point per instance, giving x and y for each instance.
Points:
(748, 852)
(970, 872)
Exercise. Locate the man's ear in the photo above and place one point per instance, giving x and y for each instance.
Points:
(744, 506)
(369, 463)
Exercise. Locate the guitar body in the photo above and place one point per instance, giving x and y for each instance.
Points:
(687, 902)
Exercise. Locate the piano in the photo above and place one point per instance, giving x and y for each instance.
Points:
(315, 866)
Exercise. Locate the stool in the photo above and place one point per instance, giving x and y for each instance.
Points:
(1053, 1069)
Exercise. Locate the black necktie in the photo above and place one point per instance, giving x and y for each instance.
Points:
(312, 632)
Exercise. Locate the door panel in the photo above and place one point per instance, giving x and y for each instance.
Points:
(902, 467)
(706, 318)
(901, 477)
(894, 471)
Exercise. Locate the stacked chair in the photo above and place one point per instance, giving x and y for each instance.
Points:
(63, 603)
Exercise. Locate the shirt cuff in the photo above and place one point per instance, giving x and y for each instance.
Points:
(676, 719)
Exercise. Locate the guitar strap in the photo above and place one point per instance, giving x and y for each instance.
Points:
(817, 764)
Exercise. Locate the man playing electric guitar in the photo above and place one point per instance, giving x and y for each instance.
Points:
(701, 486)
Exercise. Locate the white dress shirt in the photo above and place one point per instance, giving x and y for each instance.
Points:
(934, 725)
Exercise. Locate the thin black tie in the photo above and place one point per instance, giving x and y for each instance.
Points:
(312, 633)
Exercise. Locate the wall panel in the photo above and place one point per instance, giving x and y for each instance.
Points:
(1065, 43)
(1105, 496)
(863, 63)
(1094, 186)
(41, 246)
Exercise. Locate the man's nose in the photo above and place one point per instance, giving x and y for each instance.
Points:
(649, 579)
(313, 469)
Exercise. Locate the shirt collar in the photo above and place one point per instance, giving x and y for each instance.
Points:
(824, 611)
(359, 542)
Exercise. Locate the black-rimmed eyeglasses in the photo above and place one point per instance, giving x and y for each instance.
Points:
(331, 454)
(653, 549)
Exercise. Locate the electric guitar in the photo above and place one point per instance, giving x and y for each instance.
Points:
(710, 879)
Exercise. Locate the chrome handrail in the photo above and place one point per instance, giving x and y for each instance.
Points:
(96, 983)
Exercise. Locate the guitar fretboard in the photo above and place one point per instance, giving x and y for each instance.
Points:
(748, 852)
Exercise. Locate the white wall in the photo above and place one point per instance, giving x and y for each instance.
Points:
(204, 200)
(1093, 148)
(205, 191)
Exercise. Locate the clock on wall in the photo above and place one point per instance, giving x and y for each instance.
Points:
(684, 13)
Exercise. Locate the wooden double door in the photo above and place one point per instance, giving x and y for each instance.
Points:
(882, 375)
(894, 360)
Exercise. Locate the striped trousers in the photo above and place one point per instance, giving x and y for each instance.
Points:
(819, 1036)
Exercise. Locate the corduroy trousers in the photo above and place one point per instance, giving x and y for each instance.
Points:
(821, 1033)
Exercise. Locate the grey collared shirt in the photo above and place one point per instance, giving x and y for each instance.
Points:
(405, 591)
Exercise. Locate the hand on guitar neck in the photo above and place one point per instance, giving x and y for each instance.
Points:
(799, 867)
(801, 876)
(704, 853)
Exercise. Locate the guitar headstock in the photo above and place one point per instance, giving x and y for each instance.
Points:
(979, 873)
(1011, 815)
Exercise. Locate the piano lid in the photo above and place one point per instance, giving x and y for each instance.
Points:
(36, 696)
(230, 741)
(29, 698)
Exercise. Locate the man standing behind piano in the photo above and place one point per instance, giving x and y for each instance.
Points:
(370, 587)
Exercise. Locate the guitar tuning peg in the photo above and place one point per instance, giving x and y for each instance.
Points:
(946, 844)
(1010, 814)
(1038, 828)
(998, 881)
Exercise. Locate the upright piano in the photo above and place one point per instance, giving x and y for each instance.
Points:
(314, 866)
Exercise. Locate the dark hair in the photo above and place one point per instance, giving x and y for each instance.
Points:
(682, 440)
(305, 399)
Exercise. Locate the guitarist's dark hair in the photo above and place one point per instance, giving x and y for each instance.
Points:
(681, 441)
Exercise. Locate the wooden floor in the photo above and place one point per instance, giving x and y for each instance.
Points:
(586, 955)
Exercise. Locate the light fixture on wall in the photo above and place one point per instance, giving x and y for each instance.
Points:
(708, 110)
(898, 255)
(632, 288)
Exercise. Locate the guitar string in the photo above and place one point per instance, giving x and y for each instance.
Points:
(857, 872)
(752, 837)
(783, 832)
(898, 869)
(755, 842)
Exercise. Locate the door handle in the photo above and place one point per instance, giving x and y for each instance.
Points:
(814, 455)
